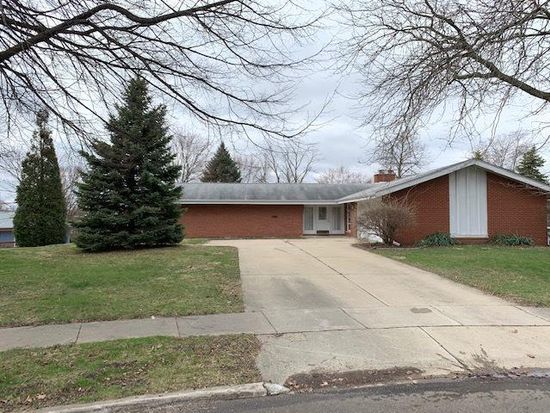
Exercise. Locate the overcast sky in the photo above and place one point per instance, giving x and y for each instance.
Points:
(340, 138)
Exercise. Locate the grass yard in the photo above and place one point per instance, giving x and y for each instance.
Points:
(519, 274)
(34, 378)
(60, 284)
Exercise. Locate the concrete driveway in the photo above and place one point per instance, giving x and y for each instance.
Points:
(336, 307)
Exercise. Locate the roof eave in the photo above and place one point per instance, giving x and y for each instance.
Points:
(446, 171)
(256, 202)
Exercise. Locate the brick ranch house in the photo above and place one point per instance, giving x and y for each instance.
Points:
(472, 200)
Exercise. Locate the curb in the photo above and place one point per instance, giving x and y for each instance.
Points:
(140, 403)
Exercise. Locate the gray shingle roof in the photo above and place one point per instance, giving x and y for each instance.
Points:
(214, 193)
(210, 193)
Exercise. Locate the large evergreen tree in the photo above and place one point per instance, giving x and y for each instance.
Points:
(530, 165)
(128, 195)
(40, 218)
(221, 168)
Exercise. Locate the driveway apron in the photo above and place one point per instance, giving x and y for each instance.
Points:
(337, 307)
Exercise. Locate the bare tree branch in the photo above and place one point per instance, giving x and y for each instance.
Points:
(192, 154)
(342, 175)
(418, 56)
(504, 150)
(402, 153)
(290, 161)
(72, 58)
(254, 168)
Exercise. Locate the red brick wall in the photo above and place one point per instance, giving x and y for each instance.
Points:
(430, 202)
(242, 221)
(514, 209)
(511, 208)
(351, 209)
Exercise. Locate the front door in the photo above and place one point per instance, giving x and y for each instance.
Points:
(320, 219)
(323, 221)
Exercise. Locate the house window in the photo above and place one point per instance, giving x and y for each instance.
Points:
(468, 203)
(6, 236)
(322, 213)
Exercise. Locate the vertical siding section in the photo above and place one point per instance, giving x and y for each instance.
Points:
(468, 203)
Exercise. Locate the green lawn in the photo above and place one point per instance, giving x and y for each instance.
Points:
(37, 378)
(519, 274)
(60, 284)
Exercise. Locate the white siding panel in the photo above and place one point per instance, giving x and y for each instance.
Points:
(308, 220)
(468, 202)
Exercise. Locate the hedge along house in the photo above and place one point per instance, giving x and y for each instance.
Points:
(472, 200)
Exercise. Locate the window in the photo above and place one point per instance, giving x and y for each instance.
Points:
(6, 236)
(468, 203)
(322, 213)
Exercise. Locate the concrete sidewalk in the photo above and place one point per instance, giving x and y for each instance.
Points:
(277, 322)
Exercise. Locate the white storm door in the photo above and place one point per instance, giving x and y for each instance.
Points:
(323, 219)
(337, 220)
(309, 220)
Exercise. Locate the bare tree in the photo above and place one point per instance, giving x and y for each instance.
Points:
(72, 57)
(416, 56)
(386, 217)
(290, 160)
(504, 150)
(5, 206)
(341, 175)
(192, 153)
(70, 176)
(254, 168)
(402, 153)
(11, 158)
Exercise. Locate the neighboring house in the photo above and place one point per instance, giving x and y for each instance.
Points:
(7, 238)
(472, 200)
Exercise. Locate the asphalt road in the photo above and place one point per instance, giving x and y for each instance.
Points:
(472, 395)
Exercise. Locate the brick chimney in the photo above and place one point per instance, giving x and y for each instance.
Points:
(384, 175)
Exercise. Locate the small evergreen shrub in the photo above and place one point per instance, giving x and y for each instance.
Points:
(512, 240)
(438, 239)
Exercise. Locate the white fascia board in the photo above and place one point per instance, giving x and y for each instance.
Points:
(253, 202)
(445, 171)
(358, 199)
(425, 178)
(513, 176)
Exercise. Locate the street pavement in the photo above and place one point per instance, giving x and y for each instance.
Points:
(466, 396)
